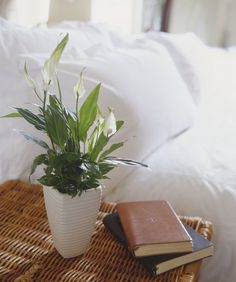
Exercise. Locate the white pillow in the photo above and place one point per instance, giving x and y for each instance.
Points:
(186, 51)
(209, 72)
(109, 36)
(15, 39)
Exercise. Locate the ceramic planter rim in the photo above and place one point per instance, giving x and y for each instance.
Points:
(66, 195)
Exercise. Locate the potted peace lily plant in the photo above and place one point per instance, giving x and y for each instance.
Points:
(77, 156)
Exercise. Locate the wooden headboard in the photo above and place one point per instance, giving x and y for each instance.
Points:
(166, 15)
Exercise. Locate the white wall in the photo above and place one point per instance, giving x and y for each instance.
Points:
(25, 12)
(120, 15)
(69, 10)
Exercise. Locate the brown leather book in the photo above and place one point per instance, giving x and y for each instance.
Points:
(153, 228)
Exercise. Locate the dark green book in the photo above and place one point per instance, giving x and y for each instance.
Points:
(158, 264)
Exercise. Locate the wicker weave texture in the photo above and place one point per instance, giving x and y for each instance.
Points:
(27, 252)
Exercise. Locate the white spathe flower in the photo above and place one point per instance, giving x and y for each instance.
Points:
(48, 71)
(99, 118)
(29, 79)
(110, 124)
(79, 88)
(50, 65)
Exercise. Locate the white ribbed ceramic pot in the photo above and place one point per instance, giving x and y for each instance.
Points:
(71, 220)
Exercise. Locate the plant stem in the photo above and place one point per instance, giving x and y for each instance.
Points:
(36, 93)
(77, 122)
(77, 107)
(53, 146)
(59, 89)
(45, 92)
(44, 99)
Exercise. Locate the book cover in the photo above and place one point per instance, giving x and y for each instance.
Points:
(155, 265)
(152, 227)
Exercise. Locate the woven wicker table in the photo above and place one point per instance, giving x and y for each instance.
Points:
(27, 252)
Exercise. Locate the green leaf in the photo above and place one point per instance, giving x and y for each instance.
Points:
(56, 126)
(111, 149)
(91, 168)
(12, 115)
(100, 144)
(69, 157)
(37, 121)
(95, 135)
(38, 161)
(33, 138)
(92, 139)
(55, 103)
(72, 127)
(119, 124)
(72, 144)
(66, 165)
(106, 167)
(49, 180)
(88, 112)
(116, 161)
(59, 89)
(106, 177)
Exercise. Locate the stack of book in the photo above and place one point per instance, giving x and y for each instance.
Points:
(153, 233)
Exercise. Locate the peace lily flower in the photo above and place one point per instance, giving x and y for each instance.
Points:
(100, 121)
(29, 79)
(31, 82)
(98, 130)
(79, 88)
(50, 65)
(110, 124)
(99, 118)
